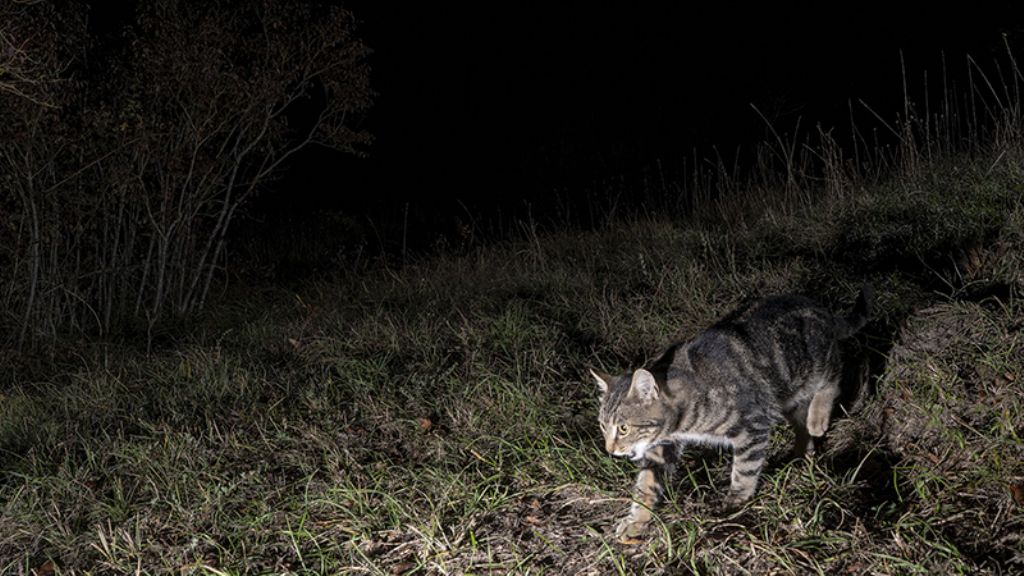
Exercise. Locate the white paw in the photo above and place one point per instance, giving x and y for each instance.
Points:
(817, 425)
(629, 529)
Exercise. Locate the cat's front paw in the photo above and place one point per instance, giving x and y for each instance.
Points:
(733, 501)
(628, 530)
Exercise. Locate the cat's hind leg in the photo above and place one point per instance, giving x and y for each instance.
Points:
(820, 408)
(804, 445)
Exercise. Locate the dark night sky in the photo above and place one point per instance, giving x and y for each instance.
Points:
(497, 103)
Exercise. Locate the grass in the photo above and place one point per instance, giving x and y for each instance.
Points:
(437, 418)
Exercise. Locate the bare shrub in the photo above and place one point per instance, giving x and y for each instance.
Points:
(155, 146)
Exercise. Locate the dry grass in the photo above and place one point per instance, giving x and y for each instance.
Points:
(436, 419)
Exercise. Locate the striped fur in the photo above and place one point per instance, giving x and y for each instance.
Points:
(772, 359)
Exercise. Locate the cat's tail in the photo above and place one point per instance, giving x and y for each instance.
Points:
(849, 325)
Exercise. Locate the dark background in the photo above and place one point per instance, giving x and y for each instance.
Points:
(493, 110)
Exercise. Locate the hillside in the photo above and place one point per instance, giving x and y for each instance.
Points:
(436, 418)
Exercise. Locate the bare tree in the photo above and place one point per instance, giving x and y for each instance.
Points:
(38, 45)
(211, 91)
(150, 155)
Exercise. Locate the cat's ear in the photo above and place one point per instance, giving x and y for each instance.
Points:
(602, 381)
(643, 387)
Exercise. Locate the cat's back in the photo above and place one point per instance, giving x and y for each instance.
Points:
(770, 319)
(776, 338)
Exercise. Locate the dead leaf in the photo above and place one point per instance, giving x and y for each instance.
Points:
(1010, 376)
(45, 569)
(372, 548)
(295, 343)
(425, 424)
(1017, 491)
(533, 520)
(402, 567)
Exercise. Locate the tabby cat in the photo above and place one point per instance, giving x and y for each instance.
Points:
(773, 358)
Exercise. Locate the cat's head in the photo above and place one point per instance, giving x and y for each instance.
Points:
(632, 414)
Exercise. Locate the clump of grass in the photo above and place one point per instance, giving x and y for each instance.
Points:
(948, 414)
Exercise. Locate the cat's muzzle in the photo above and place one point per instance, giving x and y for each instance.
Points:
(633, 455)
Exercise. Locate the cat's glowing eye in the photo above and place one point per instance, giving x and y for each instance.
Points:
(623, 429)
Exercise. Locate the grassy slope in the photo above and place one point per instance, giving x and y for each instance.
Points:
(438, 419)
